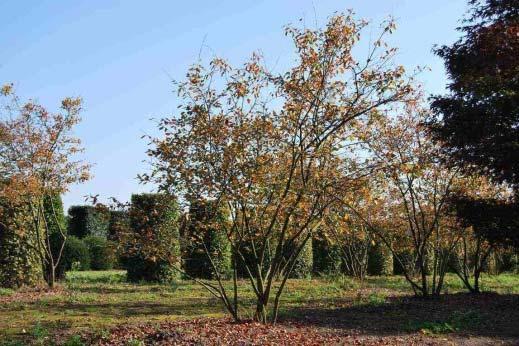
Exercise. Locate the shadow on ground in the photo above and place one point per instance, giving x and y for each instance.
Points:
(487, 314)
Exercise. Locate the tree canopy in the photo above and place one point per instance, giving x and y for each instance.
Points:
(477, 122)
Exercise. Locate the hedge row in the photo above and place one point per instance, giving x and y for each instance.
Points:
(202, 234)
(93, 252)
(85, 220)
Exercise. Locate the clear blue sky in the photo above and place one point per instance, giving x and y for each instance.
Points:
(120, 57)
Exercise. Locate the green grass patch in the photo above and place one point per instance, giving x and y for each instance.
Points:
(5, 291)
(459, 321)
(97, 301)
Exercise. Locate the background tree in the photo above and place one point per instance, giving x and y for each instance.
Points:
(409, 209)
(37, 152)
(476, 244)
(273, 148)
(350, 233)
(478, 121)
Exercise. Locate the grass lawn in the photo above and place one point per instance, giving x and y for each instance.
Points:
(94, 304)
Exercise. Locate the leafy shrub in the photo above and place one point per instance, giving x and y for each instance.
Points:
(304, 263)
(39, 333)
(459, 321)
(326, 257)
(85, 220)
(152, 249)
(203, 234)
(74, 251)
(102, 253)
(380, 260)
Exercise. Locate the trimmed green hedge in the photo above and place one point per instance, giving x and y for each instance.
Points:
(119, 221)
(54, 215)
(380, 260)
(20, 265)
(302, 268)
(247, 253)
(102, 253)
(203, 234)
(304, 263)
(85, 220)
(75, 254)
(327, 257)
(153, 220)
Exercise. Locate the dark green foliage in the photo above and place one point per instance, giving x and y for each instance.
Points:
(102, 253)
(478, 121)
(479, 116)
(327, 257)
(503, 260)
(20, 265)
(141, 269)
(85, 220)
(54, 215)
(302, 267)
(247, 253)
(119, 221)
(304, 263)
(401, 261)
(380, 260)
(496, 221)
(154, 250)
(203, 234)
(75, 253)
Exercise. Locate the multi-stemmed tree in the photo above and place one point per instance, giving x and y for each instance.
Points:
(274, 147)
(37, 163)
(409, 206)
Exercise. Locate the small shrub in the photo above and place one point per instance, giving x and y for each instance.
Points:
(12, 343)
(93, 277)
(76, 266)
(373, 299)
(6, 291)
